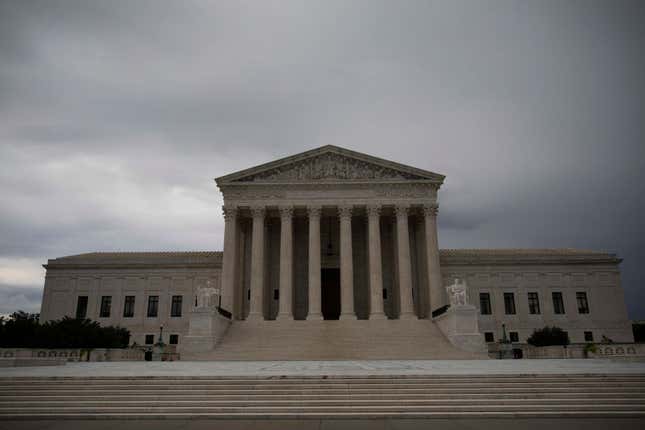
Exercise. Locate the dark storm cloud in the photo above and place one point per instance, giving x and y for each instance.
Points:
(115, 116)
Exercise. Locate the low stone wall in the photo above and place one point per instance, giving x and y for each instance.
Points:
(74, 354)
(575, 350)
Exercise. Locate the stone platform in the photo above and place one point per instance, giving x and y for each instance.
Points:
(334, 340)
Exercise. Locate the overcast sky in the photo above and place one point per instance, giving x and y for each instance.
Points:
(115, 116)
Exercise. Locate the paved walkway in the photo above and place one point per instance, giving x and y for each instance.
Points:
(331, 368)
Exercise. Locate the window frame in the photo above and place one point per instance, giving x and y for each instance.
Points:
(514, 334)
(533, 299)
(78, 308)
(153, 305)
(486, 336)
(176, 304)
(512, 307)
(151, 336)
(489, 308)
(588, 338)
(106, 307)
(581, 298)
(560, 302)
(174, 337)
(128, 305)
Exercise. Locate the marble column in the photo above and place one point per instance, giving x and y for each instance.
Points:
(314, 312)
(256, 311)
(405, 266)
(435, 282)
(375, 263)
(229, 258)
(286, 263)
(346, 264)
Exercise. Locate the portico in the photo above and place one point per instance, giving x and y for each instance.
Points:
(331, 234)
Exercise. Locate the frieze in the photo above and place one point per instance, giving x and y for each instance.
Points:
(381, 191)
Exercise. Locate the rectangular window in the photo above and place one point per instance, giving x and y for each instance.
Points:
(128, 307)
(514, 336)
(484, 303)
(534, 303)
(588, 336)
(384, 293)
(558, 304)
(106, 304)
(150, 339)
(175, 308)
(489, 337)
(276, 294)
(509, 303)
(153, 306)
(174, 339)
(583, 304)
(81, 307)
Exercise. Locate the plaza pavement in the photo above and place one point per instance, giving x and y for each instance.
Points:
(331, 368)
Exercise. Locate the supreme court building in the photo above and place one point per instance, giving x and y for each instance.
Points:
(334, 254)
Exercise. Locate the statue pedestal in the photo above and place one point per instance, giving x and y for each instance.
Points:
(205, 329)
(459, 324)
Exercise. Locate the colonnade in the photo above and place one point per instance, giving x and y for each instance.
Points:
(345, 212)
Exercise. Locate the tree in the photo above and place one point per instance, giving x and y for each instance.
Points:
(549, 336)
(23, 330)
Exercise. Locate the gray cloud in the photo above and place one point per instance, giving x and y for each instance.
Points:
(115, 116)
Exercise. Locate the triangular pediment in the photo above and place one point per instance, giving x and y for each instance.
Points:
(329, 163)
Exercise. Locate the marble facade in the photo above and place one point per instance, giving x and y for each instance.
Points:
(335, 234)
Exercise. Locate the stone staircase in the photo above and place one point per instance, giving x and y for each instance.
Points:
(315, 397)
(334, 340)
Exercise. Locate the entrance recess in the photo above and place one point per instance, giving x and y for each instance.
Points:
(330, 293)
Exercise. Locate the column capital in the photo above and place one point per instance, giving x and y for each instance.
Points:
(229, 212)
(286, 212)
(431, 209)
(258, 211)
(345, 211)
(373, 210)
(401, 210)
(314, 211)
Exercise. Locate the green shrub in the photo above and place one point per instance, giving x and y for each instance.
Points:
(549, 336)
(23, 330)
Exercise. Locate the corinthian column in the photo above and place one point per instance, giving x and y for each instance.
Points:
(228, 260)
(435, 287)
(346, 264)
(314, 263)
(257, 265)
(405, 266)
(375, 264)
(286, 263)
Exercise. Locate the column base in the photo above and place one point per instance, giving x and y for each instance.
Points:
(314, 317)
(379, 316)
(284, 317)
(408, 316)
(346, 317)
(255, 317)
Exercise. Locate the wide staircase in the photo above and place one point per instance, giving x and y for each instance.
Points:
(429, 396)
(334, 340)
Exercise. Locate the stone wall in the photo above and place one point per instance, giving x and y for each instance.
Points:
(601, 282)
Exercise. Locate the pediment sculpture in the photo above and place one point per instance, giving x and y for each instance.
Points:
(328, 166)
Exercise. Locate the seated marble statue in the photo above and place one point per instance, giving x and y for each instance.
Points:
(457, 293)
(205, 295)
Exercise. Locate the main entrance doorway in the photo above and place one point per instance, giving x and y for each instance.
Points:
(330, 291)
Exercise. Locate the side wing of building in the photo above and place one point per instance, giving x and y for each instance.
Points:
(137, 290)
(576, 290)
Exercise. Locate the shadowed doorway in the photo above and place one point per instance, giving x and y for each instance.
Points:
(330, 291)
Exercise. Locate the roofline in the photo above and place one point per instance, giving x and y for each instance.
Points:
(430, 176)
